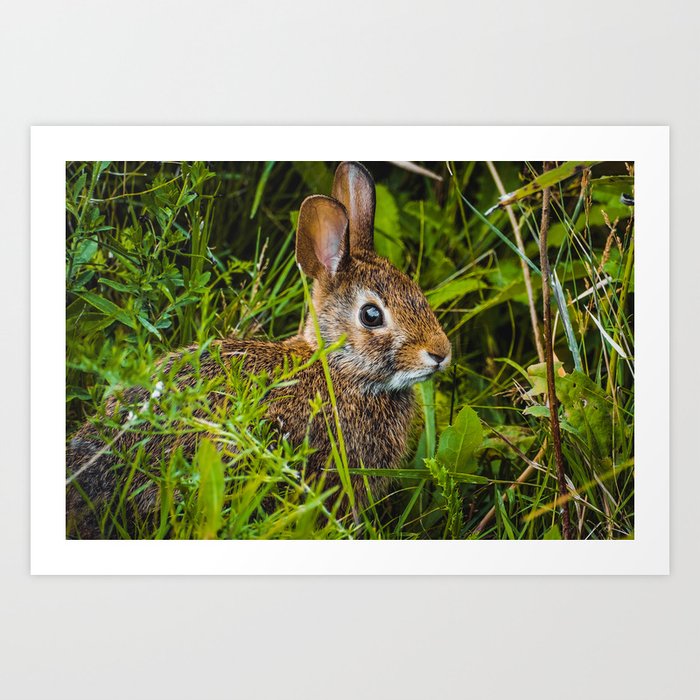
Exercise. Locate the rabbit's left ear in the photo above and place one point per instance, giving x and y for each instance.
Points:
(353, 187)
(322, 236)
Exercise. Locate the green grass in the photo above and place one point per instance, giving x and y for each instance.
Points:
(163, 255)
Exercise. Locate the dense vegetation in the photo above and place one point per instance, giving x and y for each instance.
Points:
(163, 255)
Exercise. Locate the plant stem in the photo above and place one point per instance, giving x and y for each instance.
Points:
(549, 358)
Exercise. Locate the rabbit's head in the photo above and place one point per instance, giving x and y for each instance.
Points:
(393, 338)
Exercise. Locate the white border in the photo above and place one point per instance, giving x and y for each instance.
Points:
(51, 147)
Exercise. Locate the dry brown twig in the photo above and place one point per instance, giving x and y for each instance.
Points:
(549, 359)
(417, 169)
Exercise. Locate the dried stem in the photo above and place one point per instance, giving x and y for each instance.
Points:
(526, 270)
(549, 359)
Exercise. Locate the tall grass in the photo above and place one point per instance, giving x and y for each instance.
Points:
(163, 255)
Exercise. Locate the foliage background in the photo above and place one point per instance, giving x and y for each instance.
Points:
(160, 255)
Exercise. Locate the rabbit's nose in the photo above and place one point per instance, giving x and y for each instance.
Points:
(440, 351)
(437, 358)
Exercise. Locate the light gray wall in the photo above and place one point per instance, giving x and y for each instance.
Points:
(362, 62)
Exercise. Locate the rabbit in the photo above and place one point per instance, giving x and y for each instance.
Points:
(393, 340)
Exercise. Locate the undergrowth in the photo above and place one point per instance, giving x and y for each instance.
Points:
(162, 256)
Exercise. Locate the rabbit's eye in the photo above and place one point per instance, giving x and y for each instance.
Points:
(371, 316)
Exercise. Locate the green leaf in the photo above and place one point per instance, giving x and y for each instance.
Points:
(421, 451)
(76, 392)
(108, 308)
(537, 410)
(470, 478)
(386, 224)
(118, 286)
(587, 408)
(210, 497)
(429, 212)
(590, 411)
(426, 391)
(502, 516)
(551, 177)
(615, 185)
(82, 279)
(92, 327)
(186, 199)
(261, 187)
(316, 175)
(459, 442)
(553, 533)
(85, 251)
(537, 374)
(198, 174)
(452, 290)
(149, 326)
(79, 186)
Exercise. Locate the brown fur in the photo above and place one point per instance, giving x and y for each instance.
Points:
(372, 373)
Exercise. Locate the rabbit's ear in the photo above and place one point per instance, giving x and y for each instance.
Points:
(322, 236)
(353, 187)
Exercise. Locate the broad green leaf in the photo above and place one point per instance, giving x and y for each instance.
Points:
(210, 497)
(108, 308)
(587, 408)
(537, 374)
(590, 412)
(85, 251)
(459, 442)
(537, 410)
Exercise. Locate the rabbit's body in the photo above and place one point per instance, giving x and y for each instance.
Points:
(392, 340)
(289, 413)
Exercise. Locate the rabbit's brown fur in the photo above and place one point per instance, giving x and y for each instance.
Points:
(372, 373)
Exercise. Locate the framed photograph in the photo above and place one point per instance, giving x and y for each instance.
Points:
(350, 350)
